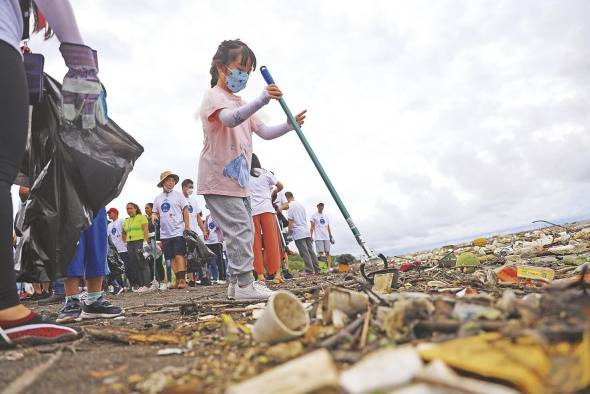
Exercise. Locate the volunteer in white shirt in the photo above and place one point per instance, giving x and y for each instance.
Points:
(214, 242)
(322, 233)
(115, 231)
(300, 232)
(171, 208)
(195, 219)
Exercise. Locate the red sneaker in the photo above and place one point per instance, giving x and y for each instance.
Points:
(34, 330)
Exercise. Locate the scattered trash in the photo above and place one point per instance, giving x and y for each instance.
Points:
(535, 273)
(284, 318)
(479, 242)
(284, 351)
(314, 372)
(525, 362)
(383, 283)
(439, 375)
(467, 262)
(381, 370)
(399, 321)
(11, 355)
(464, 311)
(347, 301)
(170, 351)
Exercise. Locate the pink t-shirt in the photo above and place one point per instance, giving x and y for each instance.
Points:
(222, 144)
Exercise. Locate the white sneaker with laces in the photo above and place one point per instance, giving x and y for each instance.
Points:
(163, 286)
(231, 291)
(154, 285)
(253, 292)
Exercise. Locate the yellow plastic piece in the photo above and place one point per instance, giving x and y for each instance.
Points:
(524, 362)
(535, 273)
(481, 242)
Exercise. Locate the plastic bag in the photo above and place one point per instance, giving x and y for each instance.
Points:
(75, 172)
(197, 252)
(116, 265)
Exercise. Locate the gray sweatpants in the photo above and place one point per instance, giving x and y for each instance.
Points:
(234, 216)
(305, 248)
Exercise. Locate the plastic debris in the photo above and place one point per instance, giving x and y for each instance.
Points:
(314, 372)
(525, 362)
(381, 370)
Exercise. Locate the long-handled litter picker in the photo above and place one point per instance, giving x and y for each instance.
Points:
(370, 254)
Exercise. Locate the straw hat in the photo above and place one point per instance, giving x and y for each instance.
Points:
(165, 175)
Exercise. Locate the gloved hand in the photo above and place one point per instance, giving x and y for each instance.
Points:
(332, 240)
(82, 93)
(147, 248)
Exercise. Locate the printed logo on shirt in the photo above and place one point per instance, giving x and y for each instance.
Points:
(165, 207)
(190, 208)
(211, 226)
(114, 231)
(322, 221)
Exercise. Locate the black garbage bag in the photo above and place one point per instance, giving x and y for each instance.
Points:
(116, 265)
(197, 253)
(74, 173)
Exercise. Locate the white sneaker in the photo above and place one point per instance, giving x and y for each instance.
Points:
(111, 289)
(253, 292)
(163, 286)
(231, 291)
(221, 282)
(154, 285)
(143, 289)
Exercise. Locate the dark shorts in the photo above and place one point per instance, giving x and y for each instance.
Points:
(173, 247)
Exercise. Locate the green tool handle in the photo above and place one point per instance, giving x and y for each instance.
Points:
(355, 231)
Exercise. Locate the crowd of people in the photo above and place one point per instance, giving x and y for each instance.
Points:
(249, 217)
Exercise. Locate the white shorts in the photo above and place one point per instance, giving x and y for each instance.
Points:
(322, 246)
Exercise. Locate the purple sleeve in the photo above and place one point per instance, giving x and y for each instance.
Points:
(61, 19)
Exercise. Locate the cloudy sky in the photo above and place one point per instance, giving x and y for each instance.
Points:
(435, 120)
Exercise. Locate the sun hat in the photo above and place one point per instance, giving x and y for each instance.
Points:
(165, 175)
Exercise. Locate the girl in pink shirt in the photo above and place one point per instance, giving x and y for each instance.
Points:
(224, 165)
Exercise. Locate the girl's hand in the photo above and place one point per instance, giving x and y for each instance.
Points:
(274, 92)
(300, 118)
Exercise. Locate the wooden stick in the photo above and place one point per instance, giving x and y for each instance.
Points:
(31, 375)
(365, 332)
(346, 331)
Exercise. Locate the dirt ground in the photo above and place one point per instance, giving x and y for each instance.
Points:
(97, 365)
(449, 293)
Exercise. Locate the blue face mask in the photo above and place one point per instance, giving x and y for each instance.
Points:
(236, 80)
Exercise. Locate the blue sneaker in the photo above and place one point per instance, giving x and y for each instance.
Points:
(100, 309)
(70, 312)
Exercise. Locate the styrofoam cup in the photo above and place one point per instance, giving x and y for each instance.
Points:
(284, 318)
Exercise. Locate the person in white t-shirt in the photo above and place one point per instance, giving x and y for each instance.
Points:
(195, 212)
(301, 235)
(263, 188)
(115, 231)
(214, 241)
(171, 208)
(322, 233)
(195, 220)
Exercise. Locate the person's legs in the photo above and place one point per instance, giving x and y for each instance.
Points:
(13, 134)
(96, 268)
(218, 250)
(233, 215)
(301, 245)
(135, 249)
(312, 255)
(272, 249)
(257, 248)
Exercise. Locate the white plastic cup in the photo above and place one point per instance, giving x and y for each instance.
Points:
(284, 318)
